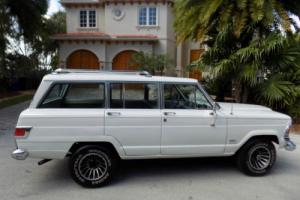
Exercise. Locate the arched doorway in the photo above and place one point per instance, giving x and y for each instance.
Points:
(122, 61)
(83, 59)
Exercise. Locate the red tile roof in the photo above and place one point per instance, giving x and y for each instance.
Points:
(67, 2)
(81, 34)
(149, 36)
(103, 36)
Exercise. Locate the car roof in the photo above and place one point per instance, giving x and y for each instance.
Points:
(115, 77)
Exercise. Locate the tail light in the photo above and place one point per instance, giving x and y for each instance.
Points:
(22, 131)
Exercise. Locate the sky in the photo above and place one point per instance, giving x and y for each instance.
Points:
(54, 6)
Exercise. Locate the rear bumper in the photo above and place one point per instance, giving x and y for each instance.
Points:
(19, 154)
(289, 145)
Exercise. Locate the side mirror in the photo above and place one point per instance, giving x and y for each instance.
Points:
(214, 114)
(215, 107)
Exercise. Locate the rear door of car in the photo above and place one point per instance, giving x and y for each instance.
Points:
(134, 117)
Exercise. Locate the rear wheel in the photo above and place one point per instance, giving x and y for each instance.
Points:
(92, 166)
(257, 157)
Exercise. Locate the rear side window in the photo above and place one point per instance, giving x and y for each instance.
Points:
(134, 95)
(75, 95)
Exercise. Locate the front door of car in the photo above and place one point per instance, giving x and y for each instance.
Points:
(190, 126)
(134, 118)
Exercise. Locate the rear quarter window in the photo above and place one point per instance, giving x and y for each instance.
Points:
(75, 95)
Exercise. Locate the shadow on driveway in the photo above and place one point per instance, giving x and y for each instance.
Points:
(140, 170)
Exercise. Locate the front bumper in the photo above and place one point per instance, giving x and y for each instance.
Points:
(289, 145)
(19, 154)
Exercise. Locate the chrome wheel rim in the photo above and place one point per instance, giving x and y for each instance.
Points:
(92, 166)
(260, 158)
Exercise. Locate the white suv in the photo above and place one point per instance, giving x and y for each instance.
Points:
(96, 118)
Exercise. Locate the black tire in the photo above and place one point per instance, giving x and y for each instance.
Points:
(92, 166)
(257, 157)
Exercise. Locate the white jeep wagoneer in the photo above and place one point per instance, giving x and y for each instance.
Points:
(96, 118)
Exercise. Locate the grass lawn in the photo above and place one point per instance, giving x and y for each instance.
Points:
(15, 100)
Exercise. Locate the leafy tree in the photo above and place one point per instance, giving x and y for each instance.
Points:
(26, 47)
(18, 19)
(151, 62)
(44, 47)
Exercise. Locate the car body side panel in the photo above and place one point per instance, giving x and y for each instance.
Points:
(138, 130)
(240, 130)
(55, 130)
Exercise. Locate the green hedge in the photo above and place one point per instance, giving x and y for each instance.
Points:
(15, 100)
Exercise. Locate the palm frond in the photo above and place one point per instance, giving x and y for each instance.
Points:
(240, 22)
(248, 74)
(284, 16)
(256, 10)
(242, 4)
(275, 91)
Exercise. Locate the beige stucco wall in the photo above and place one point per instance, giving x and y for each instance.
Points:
(129, 25)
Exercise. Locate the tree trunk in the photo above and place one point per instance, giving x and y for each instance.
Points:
(245, 94)
(236, 93)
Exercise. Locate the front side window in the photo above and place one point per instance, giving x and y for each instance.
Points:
(134, 96)
(75, 95)
(87, 18)
(180, 96)
(148, 16)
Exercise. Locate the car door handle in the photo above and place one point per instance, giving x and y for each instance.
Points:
(113, 113)
(169, 113)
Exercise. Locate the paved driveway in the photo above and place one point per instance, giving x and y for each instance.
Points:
(187, 179)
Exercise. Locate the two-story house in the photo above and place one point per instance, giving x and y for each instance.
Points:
(104, 34)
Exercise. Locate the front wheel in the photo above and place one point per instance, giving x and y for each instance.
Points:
(92, 166)
(257, 157)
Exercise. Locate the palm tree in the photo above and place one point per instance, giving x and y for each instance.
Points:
(267, 71)
(195, 18)
(251, 45)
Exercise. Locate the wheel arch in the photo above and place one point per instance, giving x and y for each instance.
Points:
(269, 137)
(115, 149)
